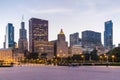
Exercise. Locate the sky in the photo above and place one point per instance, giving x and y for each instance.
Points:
(70, 15)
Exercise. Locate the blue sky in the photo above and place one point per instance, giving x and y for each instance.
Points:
(70, 15)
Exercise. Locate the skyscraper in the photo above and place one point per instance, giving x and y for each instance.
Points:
(22, 43)
(38, 32)
(61, 45)
(74, 39)
(9, 36)
(91, 39)
(108, 35)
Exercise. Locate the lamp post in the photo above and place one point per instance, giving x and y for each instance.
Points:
(113, 58)
(61, 55)
(106, 56)
(83, 57)
(101, 58)
(90, 58)
(58, 56)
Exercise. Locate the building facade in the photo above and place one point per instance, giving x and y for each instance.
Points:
(75, 50)
(38, 38)
(61, 45)
(6, 55)
(18, 55)
(9, 36)
(74, 39)
(38, 32)
(22, 43)
(44, 48)
(108, 35)
(9, 55)
(91, 39)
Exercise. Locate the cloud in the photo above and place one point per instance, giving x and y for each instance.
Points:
(48, 11)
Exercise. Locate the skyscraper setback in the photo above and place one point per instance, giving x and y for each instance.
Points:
(38, 32)
(74, 39)
(22, 43)
(108, 35)
(9, 36)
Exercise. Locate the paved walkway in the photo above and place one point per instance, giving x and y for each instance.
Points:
(38, 72)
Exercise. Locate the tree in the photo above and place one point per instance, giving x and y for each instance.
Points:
(76, 57)
(116, 53)
(44, 55)
(33, 55)
(94, 55)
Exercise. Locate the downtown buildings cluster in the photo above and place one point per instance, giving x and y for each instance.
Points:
(39, 42)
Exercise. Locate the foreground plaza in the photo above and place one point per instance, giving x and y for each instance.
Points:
(42, 72)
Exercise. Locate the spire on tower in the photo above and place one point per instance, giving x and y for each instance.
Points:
(22, 18)
(22, 22)
(61, 32)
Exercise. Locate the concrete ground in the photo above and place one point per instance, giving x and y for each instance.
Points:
(42, 72)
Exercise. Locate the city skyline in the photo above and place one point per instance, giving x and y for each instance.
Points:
(70, 15)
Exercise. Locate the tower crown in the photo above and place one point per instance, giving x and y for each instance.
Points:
(61, 32)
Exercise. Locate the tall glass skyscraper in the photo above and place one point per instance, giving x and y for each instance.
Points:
(9, 36)
(108, 35)
(22, 43)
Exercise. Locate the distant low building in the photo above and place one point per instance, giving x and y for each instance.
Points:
(76, 49)
(9, 55)
(44, 48)
(18, 55)
(100, 50)
(6, 55)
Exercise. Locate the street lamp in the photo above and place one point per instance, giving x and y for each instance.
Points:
(83, 57)
(106, 56)
(101, 58)
(90, 58)
(61, 52)
(58, 56)
(113, 57)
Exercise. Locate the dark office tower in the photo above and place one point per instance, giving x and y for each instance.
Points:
(108, 35)
(38, 32)
(22, 43)
(74, 39)
(91, 39)
(9, 36)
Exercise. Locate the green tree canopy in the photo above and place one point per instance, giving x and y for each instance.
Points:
(116, 52)
(94, 55)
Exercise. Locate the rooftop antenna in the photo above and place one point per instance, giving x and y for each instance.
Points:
(22, 22)
(22, 18)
